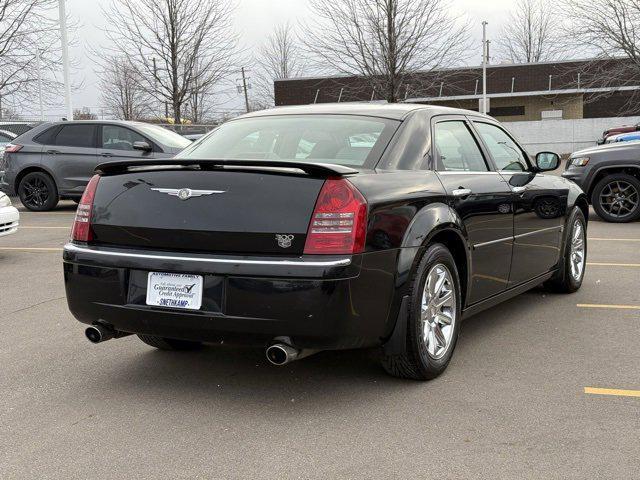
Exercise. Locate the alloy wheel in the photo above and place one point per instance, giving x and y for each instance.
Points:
(36, 192)
(577, 251)
(619, 198)
(438, 311)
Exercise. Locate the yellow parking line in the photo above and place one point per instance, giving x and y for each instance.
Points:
(604, 264)
(599, 239)
(612, 391)
(615, 307)
(31, 249)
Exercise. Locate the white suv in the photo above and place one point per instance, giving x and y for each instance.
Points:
(9, 216)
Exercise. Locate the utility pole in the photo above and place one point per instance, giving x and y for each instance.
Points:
(484, 67)
(244, 87)
(155, 79)
(39, 84)
(65, 58)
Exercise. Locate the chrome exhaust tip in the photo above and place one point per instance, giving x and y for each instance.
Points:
(281, 354)
(98, 333)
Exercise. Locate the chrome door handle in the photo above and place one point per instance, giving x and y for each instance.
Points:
(461, 192)
(105, 154)
(518, 189)
(53, 152)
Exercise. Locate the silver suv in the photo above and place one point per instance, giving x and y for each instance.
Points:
(56, 160)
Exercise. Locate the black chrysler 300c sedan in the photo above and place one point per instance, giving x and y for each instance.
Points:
(324, 227)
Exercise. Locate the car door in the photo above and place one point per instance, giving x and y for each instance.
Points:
(116, 143)
(71, 155)
(481, 197)
(539, 204)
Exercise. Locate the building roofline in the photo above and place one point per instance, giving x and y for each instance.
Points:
(523, 94)
(460, 68)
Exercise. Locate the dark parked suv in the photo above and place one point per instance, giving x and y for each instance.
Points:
(610, 175)
(56, 160)
(324, 227)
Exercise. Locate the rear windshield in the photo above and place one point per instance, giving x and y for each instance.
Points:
(336, 139)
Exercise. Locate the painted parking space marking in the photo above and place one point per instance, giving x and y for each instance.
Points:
(611, 391)
(613, 307)
(600, 239)
(22, 227)
(607, 264)
(31, 249)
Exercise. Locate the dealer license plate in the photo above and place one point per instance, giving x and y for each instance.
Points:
(175, 290)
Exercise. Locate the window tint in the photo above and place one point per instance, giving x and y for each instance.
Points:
(76, 136)
(505, 152)
(119, 138)
(457, 150)
(48, 136)
(336, 139)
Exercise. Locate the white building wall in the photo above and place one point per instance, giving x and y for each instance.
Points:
(564, 136)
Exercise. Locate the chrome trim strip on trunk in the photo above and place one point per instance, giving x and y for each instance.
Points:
(330, 263)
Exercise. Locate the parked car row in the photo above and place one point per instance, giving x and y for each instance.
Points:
(56, 160)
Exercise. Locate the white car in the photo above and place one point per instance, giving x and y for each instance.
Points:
(9, 216)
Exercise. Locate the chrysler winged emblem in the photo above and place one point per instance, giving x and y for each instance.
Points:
(284, 241)
(186, 193)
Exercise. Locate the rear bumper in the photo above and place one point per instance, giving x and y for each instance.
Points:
(320, 302)
(9, 220)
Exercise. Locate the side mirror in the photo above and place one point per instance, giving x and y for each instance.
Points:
(546, 161)
(144, 146)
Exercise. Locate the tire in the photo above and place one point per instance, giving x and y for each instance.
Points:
(422, 359)
(623, 191)
(169, 343)
(38, 192)
(567, 279)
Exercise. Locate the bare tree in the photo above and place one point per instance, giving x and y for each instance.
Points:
(27, 29)
(121, 89)
(179, 47)
(279, 58)
(533, 33)
(386, 41)
(608, 30)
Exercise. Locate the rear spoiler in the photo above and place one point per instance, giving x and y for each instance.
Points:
(316, 169)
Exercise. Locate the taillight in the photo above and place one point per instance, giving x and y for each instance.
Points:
(339, 221)
(82, 224)
(12, 148)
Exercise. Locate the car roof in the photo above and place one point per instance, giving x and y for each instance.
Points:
(112, 122)
(394, 111)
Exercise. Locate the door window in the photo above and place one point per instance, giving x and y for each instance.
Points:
(76, 136)
(457, 150)
(506, 153)
(119, 138)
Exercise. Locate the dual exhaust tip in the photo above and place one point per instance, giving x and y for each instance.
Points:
(98, 332)
(277, 353)
(281, 353)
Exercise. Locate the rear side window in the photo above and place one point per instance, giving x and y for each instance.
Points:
(457, 149)
(76, 136)
(48, 136)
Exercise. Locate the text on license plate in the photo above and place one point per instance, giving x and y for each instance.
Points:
(176, 290)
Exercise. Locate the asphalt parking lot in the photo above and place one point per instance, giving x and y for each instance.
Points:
(520, 398)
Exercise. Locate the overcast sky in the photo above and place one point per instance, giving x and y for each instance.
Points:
(255, 19)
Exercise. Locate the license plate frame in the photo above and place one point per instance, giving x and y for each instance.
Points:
(181, 291)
